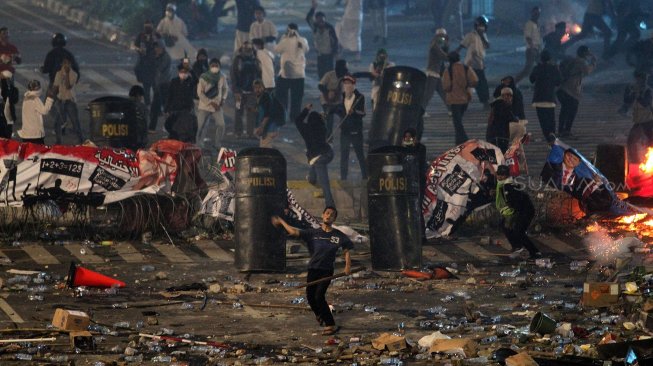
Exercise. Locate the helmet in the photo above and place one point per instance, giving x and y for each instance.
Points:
(481, 20)
(33, 85)
(58, 40)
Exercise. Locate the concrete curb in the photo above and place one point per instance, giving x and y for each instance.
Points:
(107, 30)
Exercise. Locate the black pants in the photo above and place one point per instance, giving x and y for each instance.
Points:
(40, 141)
(482, 88)
(457, 112)
(568, 110)
(355, 139)
(324, 64)
(316, 296)
(516, 234)
(547, 118)
(296, 89)
(158, 100)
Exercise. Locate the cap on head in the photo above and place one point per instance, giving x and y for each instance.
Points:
(440, 32)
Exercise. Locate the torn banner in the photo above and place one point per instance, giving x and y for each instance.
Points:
(456, 185)
(32, 173)
(567, 170)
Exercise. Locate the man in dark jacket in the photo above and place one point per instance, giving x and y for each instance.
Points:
(352, 111)
(55, 57)
(517, 211)
(498, 130)
(144, 44)
(517, 97)
(245, 17)
(319, 153)
(572, 71)
(553, 42)
(244, 70)
(181, 122)
(545, 78)
(324, 40)
(161, 82)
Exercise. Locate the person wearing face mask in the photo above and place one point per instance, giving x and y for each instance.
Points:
(66, 107)
(144, 44)
(476, 43)
(181, 123)
(33, 111)
(376, 70)
(212, 91)
(244, 70)
(437, 59)
(351, 111)
(174, 33)
(292, 49)
(331, 96)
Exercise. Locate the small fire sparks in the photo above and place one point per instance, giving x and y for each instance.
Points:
(647, 167)
(632, 218)
(572, 30)
(575, 29)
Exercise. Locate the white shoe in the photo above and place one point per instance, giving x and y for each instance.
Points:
(517, 253)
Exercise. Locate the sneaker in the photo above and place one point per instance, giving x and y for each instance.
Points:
(517, 253)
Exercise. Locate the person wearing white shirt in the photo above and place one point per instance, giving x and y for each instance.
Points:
(533, 44)
(264, 29)
(33, 111)
(476, 43)
(292, 49)
(266, 60)
(174, 32)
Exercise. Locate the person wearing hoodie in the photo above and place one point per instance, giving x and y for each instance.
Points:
(54, 58)
(33, 111)
(545, 78)
(331, 92)
(212, 91)
(319, 153)
(352, 111)
(292, 49)
(517, 97)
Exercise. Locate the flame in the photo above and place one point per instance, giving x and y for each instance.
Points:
(575, 29)
(647, 167)
(631, 219)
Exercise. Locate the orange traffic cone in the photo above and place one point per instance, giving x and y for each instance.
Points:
(80, 276)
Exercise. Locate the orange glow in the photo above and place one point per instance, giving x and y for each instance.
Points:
(575, 29)
(565, 38)
(631, 219)
(647, 167)
(640, 224)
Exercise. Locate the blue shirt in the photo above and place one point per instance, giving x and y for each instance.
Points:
(324, 246)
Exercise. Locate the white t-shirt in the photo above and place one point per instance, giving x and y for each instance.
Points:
(293, 57)
(532, 31)
(266, 59)
(475, 55)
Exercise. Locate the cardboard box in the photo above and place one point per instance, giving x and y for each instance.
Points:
(390, 342)
(460, 346)
(521, 359)
(600, 294)
(70, 319)
(82, 339)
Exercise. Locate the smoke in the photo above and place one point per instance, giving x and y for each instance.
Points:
(567, 11)
(603, 248)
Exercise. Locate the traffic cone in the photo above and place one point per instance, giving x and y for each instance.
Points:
(80, 276)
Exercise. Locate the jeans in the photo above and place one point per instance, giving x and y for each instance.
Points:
(568, 110)
(316, 296)
(218, 118)
(532, 54)
(457, 112)
(248, 109)
(433, 85)
(325, 63)
(547, 117)
(355, 139)
(296, 89)
(319, 173)
(482, 88)
(67, 109)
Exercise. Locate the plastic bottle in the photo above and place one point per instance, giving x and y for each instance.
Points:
(35, 297)
(23, 356)
(161, 358)
(59, 358)
(121, 324)
(147, 268)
